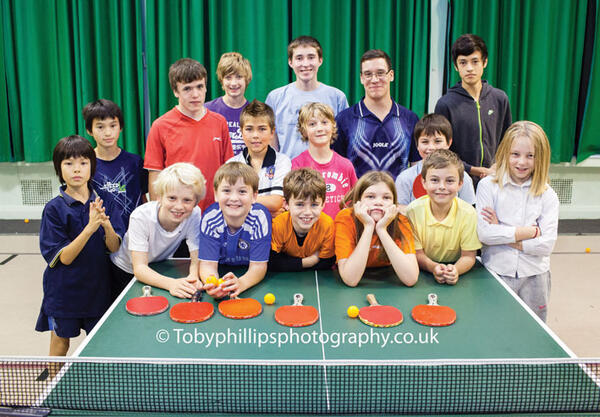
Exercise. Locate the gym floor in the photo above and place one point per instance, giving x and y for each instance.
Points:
(574, 309)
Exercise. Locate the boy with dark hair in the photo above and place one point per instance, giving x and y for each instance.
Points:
(375, 133)
(303, 235)
(234, 73)
(188, 132)
(118, 173)
(258, 127)
(444, 226)
(432, 132)
(76, 234)
(305, 56)
(236, 230)
(479, 113)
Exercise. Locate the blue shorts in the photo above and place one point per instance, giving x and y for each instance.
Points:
(65, 327)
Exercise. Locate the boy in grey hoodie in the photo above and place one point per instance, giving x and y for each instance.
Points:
(479, 113)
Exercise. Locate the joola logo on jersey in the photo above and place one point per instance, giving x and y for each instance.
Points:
(380, 145)
(217, 138)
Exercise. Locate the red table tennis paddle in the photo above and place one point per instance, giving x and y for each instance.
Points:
(147, 304)
(379, 316)
(433, 314)
(194, 311)
(240, 308)
(418, 189)
(296, 315)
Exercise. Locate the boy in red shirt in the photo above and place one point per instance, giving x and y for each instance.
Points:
(188, 132)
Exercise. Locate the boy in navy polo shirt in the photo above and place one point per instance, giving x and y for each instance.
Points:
(375, 134)
(120, 174)
(236, 230)
(258, 127)
(76, 234)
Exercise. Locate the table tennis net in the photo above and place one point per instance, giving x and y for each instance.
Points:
(303, 387)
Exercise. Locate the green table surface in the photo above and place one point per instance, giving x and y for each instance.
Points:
(491, 323)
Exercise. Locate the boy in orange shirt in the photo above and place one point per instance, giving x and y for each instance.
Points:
(303, 235)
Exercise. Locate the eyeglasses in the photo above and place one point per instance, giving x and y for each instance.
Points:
(379, 74)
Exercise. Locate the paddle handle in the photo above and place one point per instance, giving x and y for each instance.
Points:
(196, 297)
(146, 291)
(432, 299)
(298, 298)
(372, 300)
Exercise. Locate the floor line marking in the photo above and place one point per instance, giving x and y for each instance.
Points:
(10, 258)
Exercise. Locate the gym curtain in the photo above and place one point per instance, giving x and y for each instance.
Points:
(57, 55)
(535, 50)
(589, 143)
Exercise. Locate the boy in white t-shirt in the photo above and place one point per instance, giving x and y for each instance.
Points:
(157, 228)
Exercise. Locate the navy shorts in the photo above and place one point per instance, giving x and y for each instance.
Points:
(65, 327)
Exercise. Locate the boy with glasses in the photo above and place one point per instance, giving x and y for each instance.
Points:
(376, 132)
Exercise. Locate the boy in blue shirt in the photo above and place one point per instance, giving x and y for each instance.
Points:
(236, 230)
(76, 234)
(305, 57)
(120, 174)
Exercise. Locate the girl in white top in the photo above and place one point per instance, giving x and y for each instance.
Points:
(157, 228)
(518, 215)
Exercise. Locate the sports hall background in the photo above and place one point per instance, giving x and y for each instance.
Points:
(57, 55)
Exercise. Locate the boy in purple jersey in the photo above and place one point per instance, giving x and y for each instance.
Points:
(234, 73)
(119, 174)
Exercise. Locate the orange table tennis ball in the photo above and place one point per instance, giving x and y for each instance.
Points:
(212, 280)
(352, 311)
(220, 281)
(26, 220)
(269, 298)
(587, 250)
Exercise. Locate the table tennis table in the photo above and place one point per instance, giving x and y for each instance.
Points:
(337, 365)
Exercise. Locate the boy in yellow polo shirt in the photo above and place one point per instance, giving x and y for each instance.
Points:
(302, 236)
(445, 227)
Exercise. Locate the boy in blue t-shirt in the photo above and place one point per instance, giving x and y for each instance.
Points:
(120, 174)
(234, 231)
(76, 234)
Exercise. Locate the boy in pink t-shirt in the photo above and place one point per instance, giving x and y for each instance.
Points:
(316, 124)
